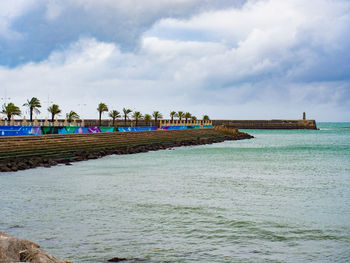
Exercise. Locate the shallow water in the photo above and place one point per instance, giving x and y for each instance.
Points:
(281, 197)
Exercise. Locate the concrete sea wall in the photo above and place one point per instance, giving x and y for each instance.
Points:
(267, 124)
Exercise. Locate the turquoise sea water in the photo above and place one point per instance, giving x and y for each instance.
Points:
(281, 197)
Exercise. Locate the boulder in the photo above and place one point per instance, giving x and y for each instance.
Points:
(116, 259)
(13, 249)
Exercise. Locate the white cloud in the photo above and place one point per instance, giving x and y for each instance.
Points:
(54, 9)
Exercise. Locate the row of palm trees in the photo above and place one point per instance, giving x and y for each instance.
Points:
(114, 114)
(136, 115)
(34, 104)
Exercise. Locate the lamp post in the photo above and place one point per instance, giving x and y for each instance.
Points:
(48, 102)
(5, 98)
(81, 106)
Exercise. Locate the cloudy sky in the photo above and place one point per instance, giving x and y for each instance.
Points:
(230, 59)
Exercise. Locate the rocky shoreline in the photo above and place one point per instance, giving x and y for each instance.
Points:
(22, 163)
(13, 249)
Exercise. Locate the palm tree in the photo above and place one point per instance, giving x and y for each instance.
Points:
(172, 115)
(72, 115)
(114, 114)
(101, 108)
(206, 118)
(10, 110)
(147, 118)
(126, 112)
(187, 116)
(157, 115)
(33, 105)
(137, 116)
(180, 115)
(54, 109)
(193, 118)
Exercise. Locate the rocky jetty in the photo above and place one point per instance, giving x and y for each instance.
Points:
(49, 150)
(13, 249)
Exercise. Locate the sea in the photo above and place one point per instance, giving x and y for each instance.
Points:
(283, 196)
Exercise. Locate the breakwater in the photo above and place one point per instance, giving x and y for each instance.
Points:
(24, 152)
(268, 124)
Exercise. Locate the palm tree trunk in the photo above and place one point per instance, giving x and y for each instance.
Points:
(113, 121)
(31, 114)
(100, 117)
(124, 120)
(52, 117)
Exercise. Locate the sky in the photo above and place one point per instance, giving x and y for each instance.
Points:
(237, 59)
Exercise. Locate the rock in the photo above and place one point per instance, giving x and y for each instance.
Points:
(117, 259)
(92, 156)
(29, 162)
(22, 166)
(4, 168)
(35, 162)
(62, 160)
(76, 159)
(108, 151)
(15, 226)
(83, 154)
(13, 249)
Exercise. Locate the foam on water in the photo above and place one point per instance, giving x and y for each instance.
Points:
(281, 197)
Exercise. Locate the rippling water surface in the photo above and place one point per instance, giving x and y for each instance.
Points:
(281, 197)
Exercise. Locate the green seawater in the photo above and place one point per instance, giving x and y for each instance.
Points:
(283, 196)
